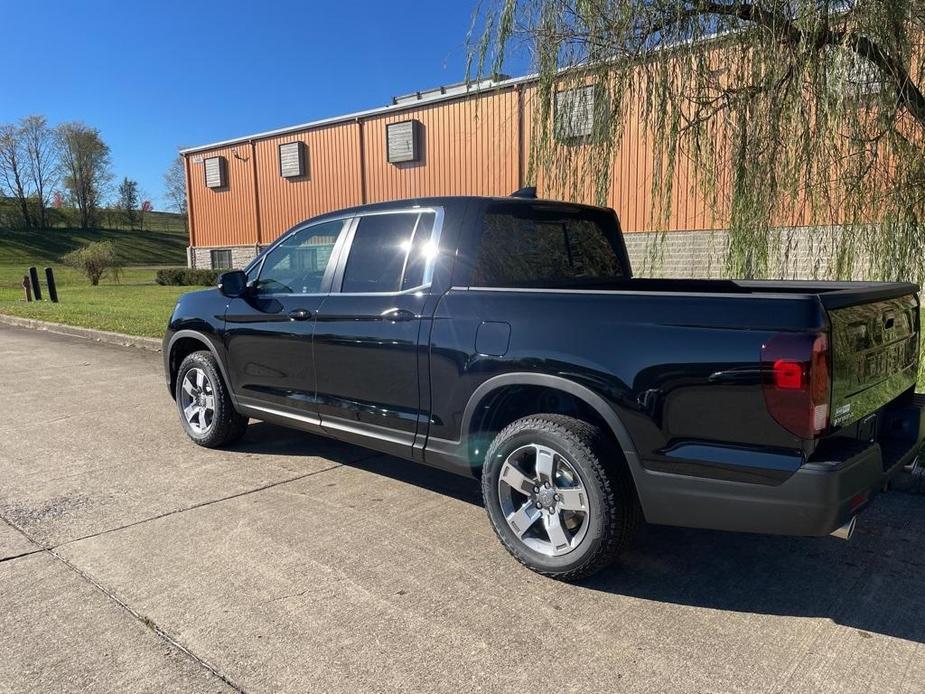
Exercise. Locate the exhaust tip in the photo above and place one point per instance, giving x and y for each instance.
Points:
(847, 530)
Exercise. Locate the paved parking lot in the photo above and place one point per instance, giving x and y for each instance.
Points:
(132, 560)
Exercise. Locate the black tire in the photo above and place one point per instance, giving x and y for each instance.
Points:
(612, 514)
(225, 426)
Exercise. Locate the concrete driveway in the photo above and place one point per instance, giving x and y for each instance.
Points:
(132, 560)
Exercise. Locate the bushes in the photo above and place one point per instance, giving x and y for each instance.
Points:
(185, 277)
(95, 260)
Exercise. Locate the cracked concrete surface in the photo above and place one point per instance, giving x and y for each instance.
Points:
(131, 560)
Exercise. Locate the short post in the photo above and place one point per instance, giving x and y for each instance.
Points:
(36, 288)
(27, 287)
(52, 288)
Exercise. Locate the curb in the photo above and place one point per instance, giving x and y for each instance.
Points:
(151, 344)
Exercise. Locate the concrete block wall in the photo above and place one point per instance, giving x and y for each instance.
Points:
(201, 258)
(794, 253)
(797, 253)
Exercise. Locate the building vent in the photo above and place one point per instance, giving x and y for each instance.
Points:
(215, 172)
(292, 159)
(575, 113)
(403, 140)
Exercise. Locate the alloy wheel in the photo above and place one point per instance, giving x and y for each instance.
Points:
(197, 400)
(543, 499)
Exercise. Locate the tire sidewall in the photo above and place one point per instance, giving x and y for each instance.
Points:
(200, 360)
(562, 444)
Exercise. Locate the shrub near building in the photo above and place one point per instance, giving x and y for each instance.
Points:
(185, 277)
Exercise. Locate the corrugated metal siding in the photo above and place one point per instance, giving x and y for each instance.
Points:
(332, 179)
(223, 216)
(468, 147)
(477, 145)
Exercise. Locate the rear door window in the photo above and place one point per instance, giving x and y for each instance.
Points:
(541, 245)
(389, 252)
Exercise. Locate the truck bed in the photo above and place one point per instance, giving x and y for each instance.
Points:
(832, 294)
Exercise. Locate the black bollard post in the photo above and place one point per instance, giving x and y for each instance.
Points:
(36, 288)
(52, 288)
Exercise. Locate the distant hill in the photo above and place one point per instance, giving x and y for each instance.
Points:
(163, 242)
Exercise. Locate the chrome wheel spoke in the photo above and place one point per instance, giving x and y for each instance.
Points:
(190, 411)
(200, 379)
(515, 479)
(573, 499)
(209, 402)
(523, 518)
(188, 386)
(545, 464)
(557, 534)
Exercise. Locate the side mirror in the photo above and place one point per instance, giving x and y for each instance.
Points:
(232, 283)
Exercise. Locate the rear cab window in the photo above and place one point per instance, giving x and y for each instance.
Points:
(543, 245)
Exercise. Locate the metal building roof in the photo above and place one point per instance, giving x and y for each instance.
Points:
(399, 103)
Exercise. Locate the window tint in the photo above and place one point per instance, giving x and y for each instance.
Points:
(535, 246)
(297, 265)
(380, 248)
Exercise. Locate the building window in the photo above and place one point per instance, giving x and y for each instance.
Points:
(221, 259)
(215, 172)
(574, 115)
(403, 141)
(852, 76)
(292, 159)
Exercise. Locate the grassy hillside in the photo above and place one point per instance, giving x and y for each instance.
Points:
(155, 247)
(134, 304)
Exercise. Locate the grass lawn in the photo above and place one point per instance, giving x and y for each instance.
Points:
(135, 305)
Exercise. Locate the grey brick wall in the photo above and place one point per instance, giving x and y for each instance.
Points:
(240, 256)
(797, 253)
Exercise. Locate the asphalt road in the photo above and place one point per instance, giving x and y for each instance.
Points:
(132, 560)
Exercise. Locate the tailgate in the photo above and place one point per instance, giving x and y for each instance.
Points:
(875, 349)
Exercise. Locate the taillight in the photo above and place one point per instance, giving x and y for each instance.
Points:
(796, 383)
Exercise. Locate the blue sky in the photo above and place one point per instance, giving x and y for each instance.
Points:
(153, 76)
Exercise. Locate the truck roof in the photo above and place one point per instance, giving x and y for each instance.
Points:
(451, 201)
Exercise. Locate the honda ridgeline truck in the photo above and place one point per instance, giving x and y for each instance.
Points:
(507, 339)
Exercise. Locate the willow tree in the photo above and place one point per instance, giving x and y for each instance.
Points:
(797, 113)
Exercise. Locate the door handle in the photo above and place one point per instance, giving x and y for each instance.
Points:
(398, 315)
(300, 314)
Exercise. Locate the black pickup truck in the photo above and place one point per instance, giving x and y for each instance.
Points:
(506, 339)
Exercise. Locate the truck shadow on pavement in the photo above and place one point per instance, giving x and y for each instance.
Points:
(875, 583)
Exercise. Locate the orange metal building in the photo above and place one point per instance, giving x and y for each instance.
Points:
(471, 140)
(243, 193)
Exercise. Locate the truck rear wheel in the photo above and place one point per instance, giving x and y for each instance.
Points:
(558, 495)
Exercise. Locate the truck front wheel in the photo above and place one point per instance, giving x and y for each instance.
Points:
(205, 407)
(559, 496)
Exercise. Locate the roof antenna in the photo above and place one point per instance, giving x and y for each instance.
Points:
(528, 192)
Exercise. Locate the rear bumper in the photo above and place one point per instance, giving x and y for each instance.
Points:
(818, 498)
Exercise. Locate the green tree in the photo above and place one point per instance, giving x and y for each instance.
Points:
(810, 109)
(95, 260)
(85, 165)
(128, 200)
